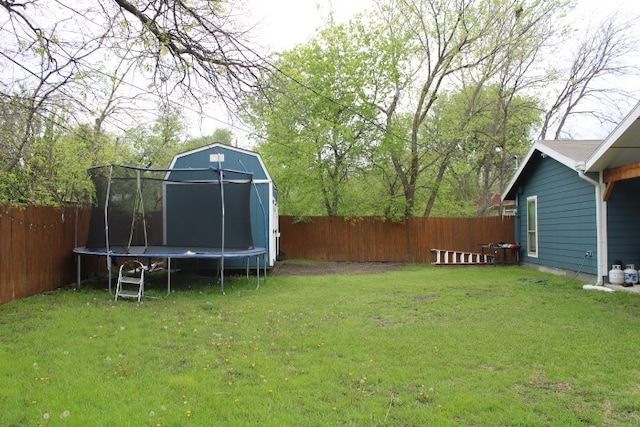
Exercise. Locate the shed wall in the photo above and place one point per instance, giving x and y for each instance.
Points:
(262, 196)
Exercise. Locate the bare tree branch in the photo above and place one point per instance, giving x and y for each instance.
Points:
(602, 53)
(191, 42)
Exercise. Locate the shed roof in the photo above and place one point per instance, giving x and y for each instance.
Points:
(233, 158)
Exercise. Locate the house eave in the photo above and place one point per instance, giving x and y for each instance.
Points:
(539, 148)
(622, 146)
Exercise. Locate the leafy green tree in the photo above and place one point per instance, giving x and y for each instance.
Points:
(448, 41)
(317, 121)
(54, 170)
(58, 168)
(481, 138)
(156, 147)
(220, 135)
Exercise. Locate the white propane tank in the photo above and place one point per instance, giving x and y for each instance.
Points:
(630, 275)
(616, 275)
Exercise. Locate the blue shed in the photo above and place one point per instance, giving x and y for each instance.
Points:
(577, 202)
(263, 194)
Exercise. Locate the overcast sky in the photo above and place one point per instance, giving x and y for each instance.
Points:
(284, 23)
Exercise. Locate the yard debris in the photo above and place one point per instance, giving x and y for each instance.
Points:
(598, 288)
(538, 281)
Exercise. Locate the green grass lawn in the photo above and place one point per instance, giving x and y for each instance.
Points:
(421, 346)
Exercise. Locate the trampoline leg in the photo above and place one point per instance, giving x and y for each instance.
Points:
(168, 276)
(222, 274)
(109, 271)
(78, 271)
(258, 272)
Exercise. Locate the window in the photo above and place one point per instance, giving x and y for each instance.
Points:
(532, 226)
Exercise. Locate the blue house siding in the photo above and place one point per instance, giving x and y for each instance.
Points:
(566, 217)
(623, 228)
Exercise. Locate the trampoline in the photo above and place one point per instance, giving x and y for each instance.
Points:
(194, 213)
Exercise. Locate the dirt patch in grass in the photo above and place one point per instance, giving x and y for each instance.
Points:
(424, 298)
(315, 268)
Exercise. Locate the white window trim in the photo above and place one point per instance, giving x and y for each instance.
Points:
(533, 199)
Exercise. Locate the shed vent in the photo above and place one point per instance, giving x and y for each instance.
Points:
(216, 158)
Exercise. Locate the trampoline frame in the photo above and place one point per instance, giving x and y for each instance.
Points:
(167, 252)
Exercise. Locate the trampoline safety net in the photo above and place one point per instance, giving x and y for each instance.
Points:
(208, 208)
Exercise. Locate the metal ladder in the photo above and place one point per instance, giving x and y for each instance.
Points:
(131, 280)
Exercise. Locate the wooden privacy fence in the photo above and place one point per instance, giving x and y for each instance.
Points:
(36, 244)
(378, 240)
